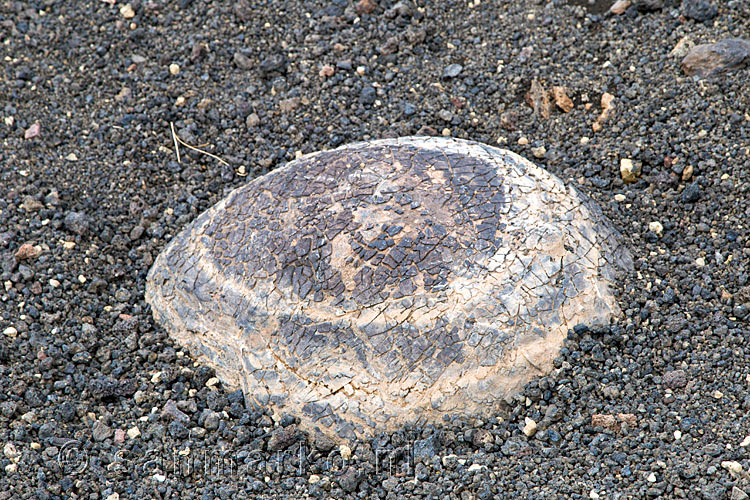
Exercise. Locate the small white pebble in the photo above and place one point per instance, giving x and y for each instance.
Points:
(446, 132)
(180, 101)
(174, 69)
(656, 227)
(717, 394)
(212, 382)
(651, 478)
(619, 197)
(160, 477)
(156, 378)
(361, 70)
(585, 140)
(314, 478)
(745, 442)
(36, 446)
(127, 11)
(10, 332)
(700, 262)
(522, 141)
(114, 496)
(69, 245)
(134, 432)
(529, 427)
(677, 435)
(81, 279)
(593, 495)
(54, 283)
(735, 468)
(10, 451)
(475, 467)
(11, 468)
(345, 451)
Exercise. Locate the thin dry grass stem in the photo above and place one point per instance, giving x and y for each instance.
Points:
(177, 140)
(176, 145)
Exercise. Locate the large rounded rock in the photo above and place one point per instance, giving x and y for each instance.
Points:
(388, 281)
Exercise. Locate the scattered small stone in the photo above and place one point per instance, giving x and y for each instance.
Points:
(628, 171)
(745, 442)
(124, 94)
(119, 436)
(445, 115)
(682, 47)
(11, 332)
(174, 69)
(368, 95)
(687, 173)
(282, 438)
(738, 494)
(32, 131)
(607, 103)
(523, 141)
(734, 468)
(28, 251)
(171, 412)
(605, 421)
(475, 468)
(77, 222)
(252, 120)
(656, 227)
(424, 448)
(561, 99)
(691, 193)
(326, 71)
(242, 61)
(127, 11)
(31, 204)
(273, 64)
(134, 432)
(712, 59)
(11, 452)
(675, 379)
(350, 479)
(366, 7)
(651, 478)
(452, 71)
(529, 428)
(101, 431)
(619, 7)
(509, 120)
(539, 152)
(345, 452)
(537, 98)
(699, 10)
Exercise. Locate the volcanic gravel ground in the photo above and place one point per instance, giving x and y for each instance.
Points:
(97, 403)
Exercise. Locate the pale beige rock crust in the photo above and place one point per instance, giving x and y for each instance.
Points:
(388, 282)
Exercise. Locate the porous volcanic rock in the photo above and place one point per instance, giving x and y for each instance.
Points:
(388, 281)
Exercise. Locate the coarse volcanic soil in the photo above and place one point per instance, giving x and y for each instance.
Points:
(96, 402)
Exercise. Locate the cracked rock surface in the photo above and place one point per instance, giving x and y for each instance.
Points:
(388, 282)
